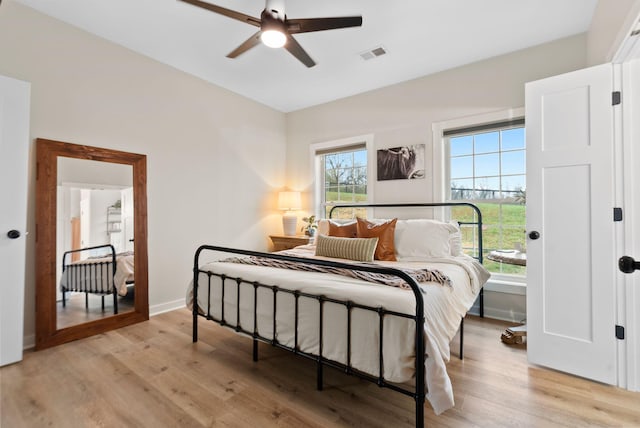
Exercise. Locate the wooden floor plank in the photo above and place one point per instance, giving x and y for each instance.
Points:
(151, 374)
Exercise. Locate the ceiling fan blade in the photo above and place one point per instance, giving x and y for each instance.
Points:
(320, 24)
(248, 44)
(296, 50)
(226, 12)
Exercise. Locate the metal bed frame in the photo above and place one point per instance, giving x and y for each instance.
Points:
(77, 271)
(420, 390)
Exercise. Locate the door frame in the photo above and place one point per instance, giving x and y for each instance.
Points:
(626, 55)
(629, 293)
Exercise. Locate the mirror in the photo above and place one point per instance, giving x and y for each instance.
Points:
(94, 210)
(91, 241)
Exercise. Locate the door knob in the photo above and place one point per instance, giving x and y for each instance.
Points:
(534, 234)
(627, 264)
(13, 234)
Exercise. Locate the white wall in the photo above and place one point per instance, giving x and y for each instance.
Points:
(214, 158)
(610, 23)
(100, 201)
(403, 114)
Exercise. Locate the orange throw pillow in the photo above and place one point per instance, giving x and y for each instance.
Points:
(385, 233)
(349, 230)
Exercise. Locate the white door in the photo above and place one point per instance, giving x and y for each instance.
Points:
(85, 221)
(127, 218)
(14, 158)
(572, 266)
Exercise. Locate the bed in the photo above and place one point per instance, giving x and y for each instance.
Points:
(105, 274)
(345, 318)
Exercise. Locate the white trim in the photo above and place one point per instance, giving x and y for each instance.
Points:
(498, 313)
(626, 47)
(166, 307)
(508, 287)
(367, 139)
(28, 342)
(630, 293)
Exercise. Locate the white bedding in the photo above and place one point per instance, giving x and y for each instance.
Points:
(444, 306)
(100, 279)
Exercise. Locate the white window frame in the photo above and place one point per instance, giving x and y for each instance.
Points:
(498, 282)
(318, 181)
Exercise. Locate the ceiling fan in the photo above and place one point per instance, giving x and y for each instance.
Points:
(276, 29)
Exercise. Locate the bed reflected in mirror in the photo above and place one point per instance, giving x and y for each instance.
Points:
(94, 228)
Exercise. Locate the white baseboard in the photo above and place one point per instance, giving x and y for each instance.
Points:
(166, 307)
(498, 314)
(28, 342)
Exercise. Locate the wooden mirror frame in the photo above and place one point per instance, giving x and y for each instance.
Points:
(47, 153)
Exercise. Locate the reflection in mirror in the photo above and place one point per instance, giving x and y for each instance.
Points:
(94, 221)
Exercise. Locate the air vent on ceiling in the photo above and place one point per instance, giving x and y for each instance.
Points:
(373, 53)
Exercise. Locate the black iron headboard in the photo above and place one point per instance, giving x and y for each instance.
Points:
(477, 224)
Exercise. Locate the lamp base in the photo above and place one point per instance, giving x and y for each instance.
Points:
(289, 224)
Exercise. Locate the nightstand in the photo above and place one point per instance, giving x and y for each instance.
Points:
(282, 242)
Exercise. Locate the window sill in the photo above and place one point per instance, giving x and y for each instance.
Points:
(508, 286)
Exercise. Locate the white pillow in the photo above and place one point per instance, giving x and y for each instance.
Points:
(323, 227)
(323, 224)
(417, 239)
(455, 239)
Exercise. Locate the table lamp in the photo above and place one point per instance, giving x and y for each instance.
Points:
(289, 202)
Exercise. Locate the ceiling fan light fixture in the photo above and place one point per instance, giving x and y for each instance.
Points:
(273, 38)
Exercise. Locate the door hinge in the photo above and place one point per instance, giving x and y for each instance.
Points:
(620, 332)
(617, 214)
(616, 98)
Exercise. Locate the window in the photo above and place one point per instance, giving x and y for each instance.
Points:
(342, 171)
(486, 165)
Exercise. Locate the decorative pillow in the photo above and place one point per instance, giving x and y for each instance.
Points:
(359, 249)
(423, 238)
(384, 232)
(455, 240)
(347, 230)
(323, 227)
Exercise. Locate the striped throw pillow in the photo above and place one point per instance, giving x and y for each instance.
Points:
(359, 249)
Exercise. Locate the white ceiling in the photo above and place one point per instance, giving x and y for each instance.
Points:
(421, 36)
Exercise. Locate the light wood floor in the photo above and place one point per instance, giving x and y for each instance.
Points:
(75, 312)
(151, 375)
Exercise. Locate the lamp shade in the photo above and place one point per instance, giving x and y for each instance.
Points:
(289, 201)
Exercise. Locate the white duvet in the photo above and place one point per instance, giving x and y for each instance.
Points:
(444, 307)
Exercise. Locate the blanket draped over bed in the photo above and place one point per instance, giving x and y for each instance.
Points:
(419, 275)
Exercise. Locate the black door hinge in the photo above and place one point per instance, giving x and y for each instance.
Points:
(620, 332)
(616, 98)
(617, 214)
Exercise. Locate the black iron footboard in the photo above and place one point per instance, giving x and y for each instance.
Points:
(76, 275)
(420, 390)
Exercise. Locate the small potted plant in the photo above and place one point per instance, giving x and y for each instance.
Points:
(309, 228)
